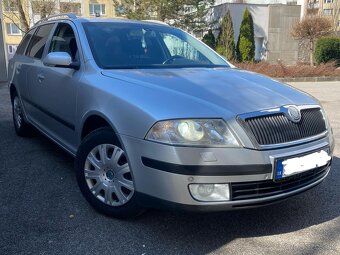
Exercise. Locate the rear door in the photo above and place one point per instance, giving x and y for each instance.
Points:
(35, 96)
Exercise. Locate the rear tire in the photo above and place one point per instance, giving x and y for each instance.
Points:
(21, 126)
(104, 175)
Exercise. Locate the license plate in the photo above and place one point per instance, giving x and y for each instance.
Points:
(286, 167)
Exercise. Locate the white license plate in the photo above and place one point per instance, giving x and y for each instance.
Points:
(290, 166)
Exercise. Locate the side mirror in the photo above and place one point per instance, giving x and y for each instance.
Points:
(60, 59)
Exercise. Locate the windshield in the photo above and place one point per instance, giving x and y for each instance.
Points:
(129, 45)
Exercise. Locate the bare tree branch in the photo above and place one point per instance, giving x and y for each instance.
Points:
(312, 28)
(14, 21)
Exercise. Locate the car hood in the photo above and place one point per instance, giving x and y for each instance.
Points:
(234, 90)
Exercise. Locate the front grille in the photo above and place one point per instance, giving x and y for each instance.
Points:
(277, 128)
(261, 189)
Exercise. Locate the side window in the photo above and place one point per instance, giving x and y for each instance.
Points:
(23, 45)
(37, 44)
(64, 40)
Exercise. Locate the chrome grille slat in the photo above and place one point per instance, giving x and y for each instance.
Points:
(277, 128)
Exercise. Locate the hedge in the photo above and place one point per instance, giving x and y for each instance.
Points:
(327, 49)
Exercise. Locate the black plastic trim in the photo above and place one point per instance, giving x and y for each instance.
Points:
(53, 116)
(207, 170)
(148, 201)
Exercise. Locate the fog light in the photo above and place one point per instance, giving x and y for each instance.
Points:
(210, 192)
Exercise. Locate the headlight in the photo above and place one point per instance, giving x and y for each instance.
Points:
(199, 132)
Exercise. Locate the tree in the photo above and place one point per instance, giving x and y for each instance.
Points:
(195, 19)
(209, 39)
(245, 49)
(14, 11)
(132, 9)
(23, 11)
(187, 14)
(22, 17)
(336, 13)
(161, 10)
(312, 28)
(225, 41)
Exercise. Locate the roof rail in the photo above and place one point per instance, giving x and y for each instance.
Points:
(57, 16)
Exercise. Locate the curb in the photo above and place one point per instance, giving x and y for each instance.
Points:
(309, 79)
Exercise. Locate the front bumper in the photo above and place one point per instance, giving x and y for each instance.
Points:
(162, 173)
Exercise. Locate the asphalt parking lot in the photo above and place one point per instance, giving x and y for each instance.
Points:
(43, 212)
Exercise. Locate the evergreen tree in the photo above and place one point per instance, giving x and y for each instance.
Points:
(209, 39)
(186, 14)
(225, 41)
(245, 49)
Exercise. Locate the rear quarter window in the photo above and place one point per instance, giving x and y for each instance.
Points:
(24, 42)
(38, 41)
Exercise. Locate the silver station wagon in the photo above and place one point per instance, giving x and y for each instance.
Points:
(155, 118)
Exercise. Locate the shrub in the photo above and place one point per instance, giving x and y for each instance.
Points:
(280, 70)
(209, 39)
(327, 49)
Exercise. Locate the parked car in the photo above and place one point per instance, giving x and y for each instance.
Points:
(155, 118)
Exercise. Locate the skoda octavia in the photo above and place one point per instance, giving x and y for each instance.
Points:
(155, 118)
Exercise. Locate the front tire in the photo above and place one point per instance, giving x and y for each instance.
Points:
(104, 175)
(22, 128)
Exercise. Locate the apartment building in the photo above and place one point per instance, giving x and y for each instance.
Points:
(36, 9)
(328, 8)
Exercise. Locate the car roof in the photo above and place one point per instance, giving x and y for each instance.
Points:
(124, 21)
(72, 17)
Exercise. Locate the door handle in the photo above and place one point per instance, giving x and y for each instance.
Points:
(41, 77)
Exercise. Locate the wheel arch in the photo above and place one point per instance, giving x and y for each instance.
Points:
(94, 120)
(12, 91)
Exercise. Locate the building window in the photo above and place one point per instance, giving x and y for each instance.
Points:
(12, 29)
(328, 12)
(328, 1)
(70, 7)
(10, 6)
(97, 9)
(11, 48)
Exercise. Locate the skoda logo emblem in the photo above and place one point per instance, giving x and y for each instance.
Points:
(294, 114)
